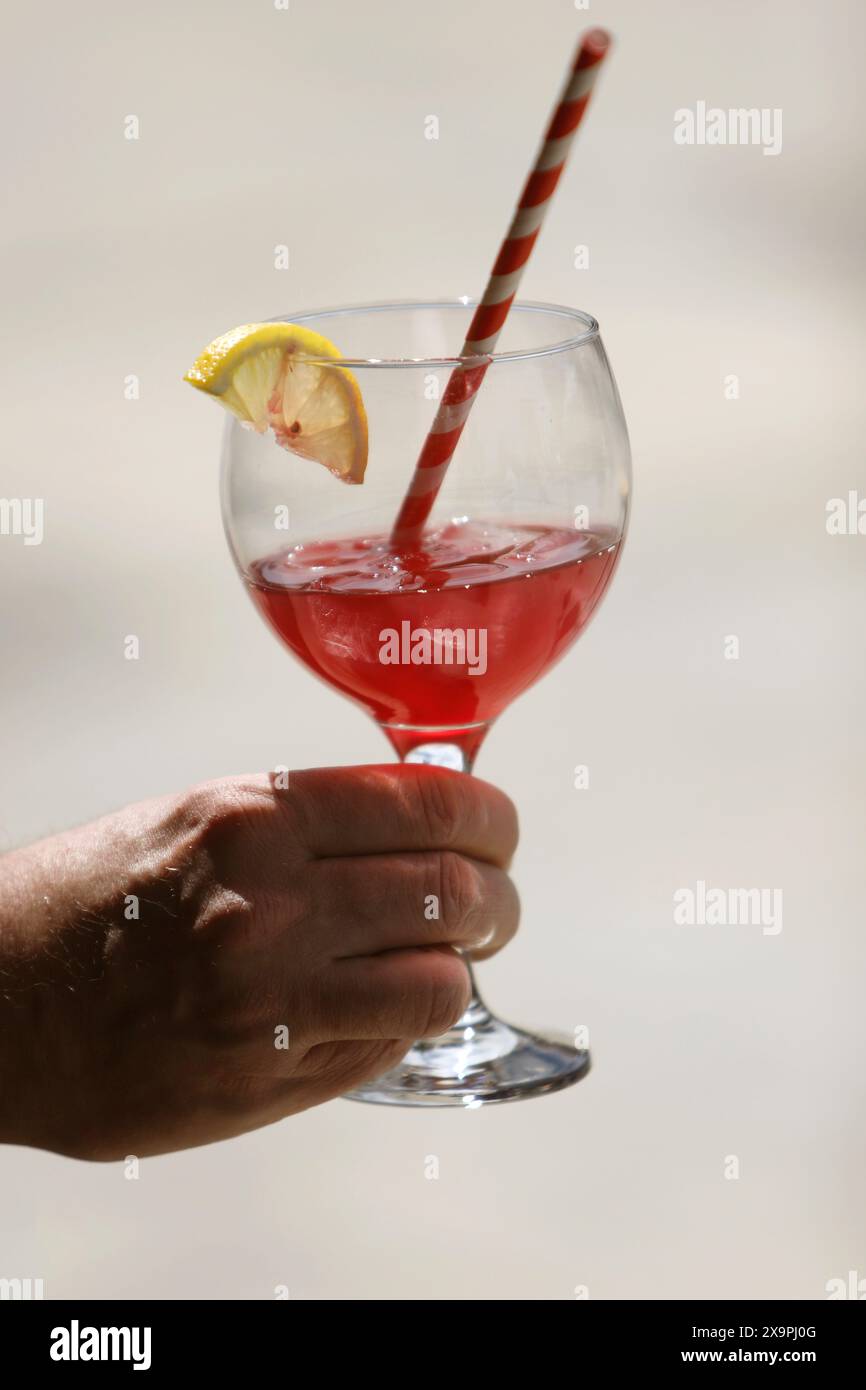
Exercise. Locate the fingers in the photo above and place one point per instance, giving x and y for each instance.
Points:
(407, 994)
(381, 810)
(386, 902)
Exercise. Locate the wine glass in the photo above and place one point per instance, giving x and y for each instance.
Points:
(435, 642)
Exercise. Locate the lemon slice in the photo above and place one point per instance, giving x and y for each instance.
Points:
(279, 376)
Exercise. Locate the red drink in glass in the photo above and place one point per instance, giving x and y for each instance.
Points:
(442, 639)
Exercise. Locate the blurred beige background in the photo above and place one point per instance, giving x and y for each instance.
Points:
(306, 127)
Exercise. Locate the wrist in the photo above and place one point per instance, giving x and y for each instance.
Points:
(17, 1009)
(38, 995)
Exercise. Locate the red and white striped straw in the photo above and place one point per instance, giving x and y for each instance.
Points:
(494, 304)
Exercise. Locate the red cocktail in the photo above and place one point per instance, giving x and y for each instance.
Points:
(441, 640)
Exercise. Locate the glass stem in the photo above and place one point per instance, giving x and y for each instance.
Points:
(459, 758)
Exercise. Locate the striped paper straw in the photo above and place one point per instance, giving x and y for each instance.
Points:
(501, 288)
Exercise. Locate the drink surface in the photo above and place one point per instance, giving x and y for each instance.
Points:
(445, 637)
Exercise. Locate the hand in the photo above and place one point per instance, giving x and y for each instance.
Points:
(154, 964)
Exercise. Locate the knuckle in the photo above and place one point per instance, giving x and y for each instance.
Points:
(229, 919)
(440, 801)
(445, 998)
(226, 803)
(460, 888)
(229, 1032)
(239, 1021)
(239, 1093)
(210, 812)
(218, 825)
(194, 806)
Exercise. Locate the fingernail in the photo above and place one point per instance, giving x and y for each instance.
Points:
(483, 938)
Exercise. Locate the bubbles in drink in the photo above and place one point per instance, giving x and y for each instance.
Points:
(459, 553)
(507, 598)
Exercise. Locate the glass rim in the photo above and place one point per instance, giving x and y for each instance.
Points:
(589, 334)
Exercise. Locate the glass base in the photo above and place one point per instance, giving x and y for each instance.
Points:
(480, 1062)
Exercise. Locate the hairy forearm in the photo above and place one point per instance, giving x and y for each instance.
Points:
(26, 998)
(51, 944)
